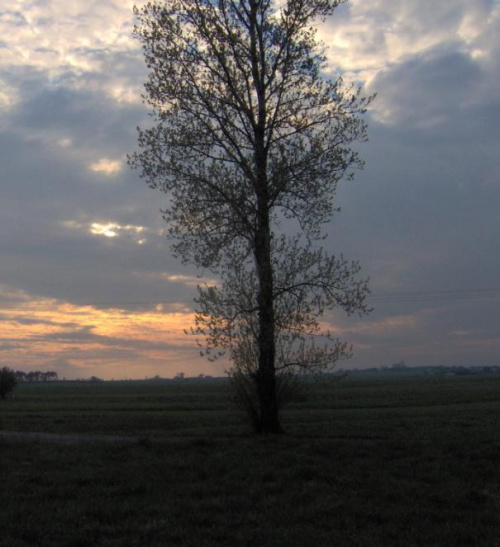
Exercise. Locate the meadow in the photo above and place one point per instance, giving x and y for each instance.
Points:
(365, 462)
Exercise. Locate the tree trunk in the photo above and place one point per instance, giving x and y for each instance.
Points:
(266, 373)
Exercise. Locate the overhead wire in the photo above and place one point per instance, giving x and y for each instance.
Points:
(407, 297)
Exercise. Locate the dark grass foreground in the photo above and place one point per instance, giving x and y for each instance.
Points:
(395, 463)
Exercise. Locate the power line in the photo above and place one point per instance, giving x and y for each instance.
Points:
(404, 297)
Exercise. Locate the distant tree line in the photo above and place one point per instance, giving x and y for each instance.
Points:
(36, 376)
(435, 370)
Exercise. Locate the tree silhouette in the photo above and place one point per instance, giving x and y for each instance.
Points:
(249, 142)
(7, 381)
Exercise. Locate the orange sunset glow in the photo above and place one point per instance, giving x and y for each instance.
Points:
(78, 341)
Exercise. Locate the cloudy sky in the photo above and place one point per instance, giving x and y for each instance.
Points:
(87, 283)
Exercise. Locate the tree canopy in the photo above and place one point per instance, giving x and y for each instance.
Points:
(249, 141)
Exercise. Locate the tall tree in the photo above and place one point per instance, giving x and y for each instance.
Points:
(249, 142)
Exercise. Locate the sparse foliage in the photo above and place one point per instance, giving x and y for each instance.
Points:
(7, 381)
(250, 142)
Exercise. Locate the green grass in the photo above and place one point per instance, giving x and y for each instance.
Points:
(410, 462)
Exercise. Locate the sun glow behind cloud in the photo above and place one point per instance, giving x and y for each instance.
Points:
(112, 229)
(106, 166)
(109, 229)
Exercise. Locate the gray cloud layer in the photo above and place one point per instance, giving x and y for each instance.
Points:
(422, 218)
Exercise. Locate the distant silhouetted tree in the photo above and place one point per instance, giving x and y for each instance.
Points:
(95, 379)
(250, 141)
(20, 376)
(36, 376)
(7, 381)
(49, 376)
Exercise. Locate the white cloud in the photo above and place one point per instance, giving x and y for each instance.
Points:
(64, 39)
(369, 37)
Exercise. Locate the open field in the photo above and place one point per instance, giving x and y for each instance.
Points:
(392, 462)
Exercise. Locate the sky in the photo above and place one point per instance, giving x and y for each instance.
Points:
(88, 285)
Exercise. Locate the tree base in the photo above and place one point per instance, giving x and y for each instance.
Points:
(271, 428)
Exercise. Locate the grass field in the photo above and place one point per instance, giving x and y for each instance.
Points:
(393, 462)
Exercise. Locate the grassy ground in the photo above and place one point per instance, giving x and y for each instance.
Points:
(410, 462)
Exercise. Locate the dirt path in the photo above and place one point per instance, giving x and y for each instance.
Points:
(70, 438)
